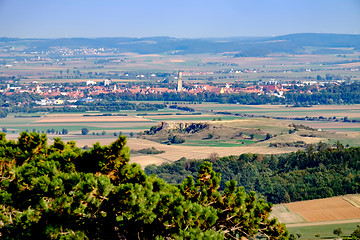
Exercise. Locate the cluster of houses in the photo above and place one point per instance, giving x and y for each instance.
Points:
(52, 95)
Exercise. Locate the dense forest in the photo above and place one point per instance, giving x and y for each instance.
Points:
(318, 172)
(59, 191)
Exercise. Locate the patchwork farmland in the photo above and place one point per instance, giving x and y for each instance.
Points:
(320, 216)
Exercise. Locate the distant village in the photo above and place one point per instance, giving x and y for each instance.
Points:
(88, 91)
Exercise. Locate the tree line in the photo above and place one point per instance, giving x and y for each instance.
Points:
(320, 171)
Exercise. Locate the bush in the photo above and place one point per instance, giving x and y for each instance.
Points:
(84, 131)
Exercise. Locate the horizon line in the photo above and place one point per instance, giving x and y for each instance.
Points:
(165, 36)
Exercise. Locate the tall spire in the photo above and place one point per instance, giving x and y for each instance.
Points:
(179, 83)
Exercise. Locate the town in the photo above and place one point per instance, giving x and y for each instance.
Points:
(87, 91)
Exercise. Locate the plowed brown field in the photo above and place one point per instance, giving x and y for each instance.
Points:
(328, 209)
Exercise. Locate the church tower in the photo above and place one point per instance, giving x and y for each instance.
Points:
(179, 83)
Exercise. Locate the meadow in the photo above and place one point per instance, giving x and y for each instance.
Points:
(105, 129)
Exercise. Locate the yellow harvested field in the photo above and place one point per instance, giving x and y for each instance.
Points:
(130, 54)
(175, 152)
(281, 212)
(79, 118)
(355, 64)
(243, 61)
(122, 124)
(353, 199)
(321, 125)
(91, 142)
(177, 60)
(148, 160)
(294, 138)
(351, 111)
(175, 117)
(253, 122)
(328, 209)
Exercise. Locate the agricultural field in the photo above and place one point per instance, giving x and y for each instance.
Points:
(286, 67)
(352, 112)
(74, 123)
(231, 134)
(326, 111)
(194, 149)
(320, 216)
(175, 152)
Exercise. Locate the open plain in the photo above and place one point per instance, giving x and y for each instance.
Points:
(105, 129)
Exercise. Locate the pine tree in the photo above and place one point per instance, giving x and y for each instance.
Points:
(59, 191)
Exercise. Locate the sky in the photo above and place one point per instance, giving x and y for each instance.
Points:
(176, 18)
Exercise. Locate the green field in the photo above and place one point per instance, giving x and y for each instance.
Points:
(97, 124)
(325, 231)
(349, 111)
(218, 143)
(192, 118)
(289, 67)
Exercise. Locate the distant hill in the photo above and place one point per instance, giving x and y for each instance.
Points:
(323, 39)
(241, 46)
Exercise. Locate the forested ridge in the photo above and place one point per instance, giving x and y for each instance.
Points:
(318, 172)
(60, 191)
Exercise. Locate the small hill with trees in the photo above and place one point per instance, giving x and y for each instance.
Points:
(262, 132)
(243, 129)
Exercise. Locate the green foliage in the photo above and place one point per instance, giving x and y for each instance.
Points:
(318, 172)
(151, 150)
(62, 192)
(337, 231)
(268, 136)
(64, 131)
(176, 139)
(84, 131)
(356, 232)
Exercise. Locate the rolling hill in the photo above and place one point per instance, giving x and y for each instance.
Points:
(241, 46)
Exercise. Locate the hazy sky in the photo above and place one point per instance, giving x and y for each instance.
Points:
(176, 18)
